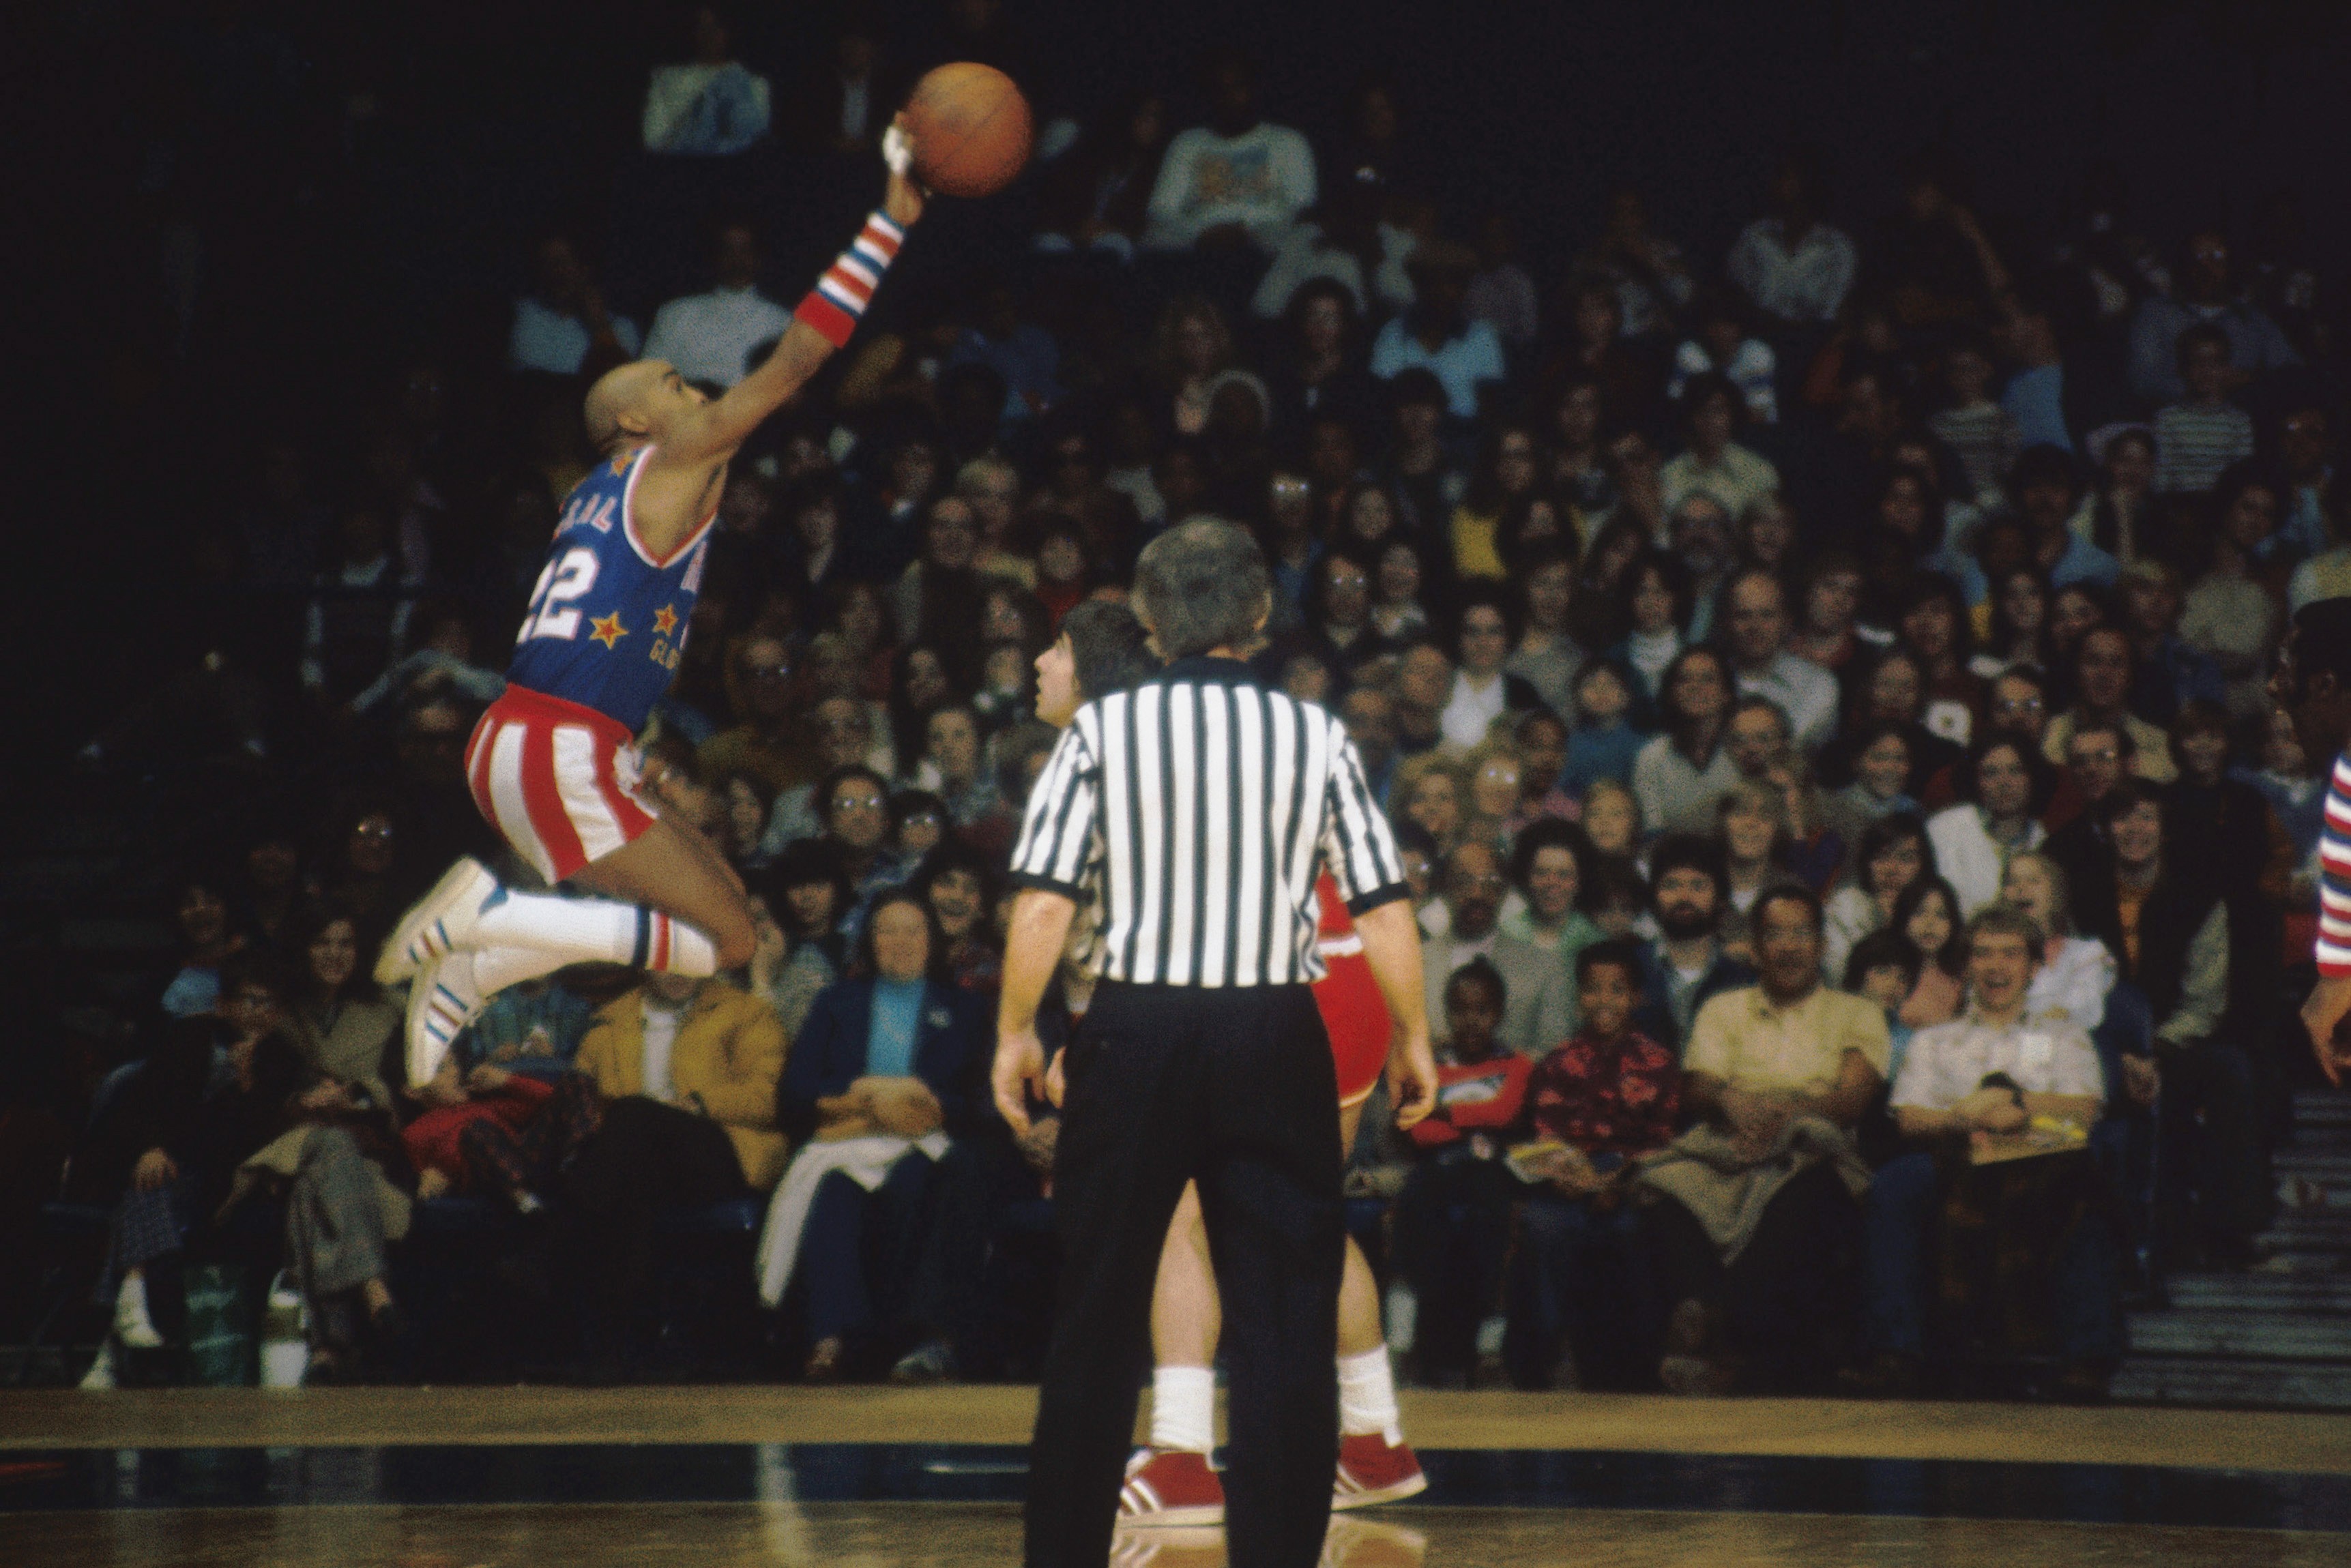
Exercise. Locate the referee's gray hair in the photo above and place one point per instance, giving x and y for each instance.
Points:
(1202, 585)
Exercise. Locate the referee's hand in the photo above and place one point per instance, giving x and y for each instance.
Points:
(1412, 1078)
(1019, 1069)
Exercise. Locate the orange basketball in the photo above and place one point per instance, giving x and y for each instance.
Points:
(970, 128)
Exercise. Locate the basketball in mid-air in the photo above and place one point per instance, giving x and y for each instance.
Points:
(971, 130)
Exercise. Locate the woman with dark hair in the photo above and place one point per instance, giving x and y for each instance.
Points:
(1578, 470)
(1891, 689)
(2230, 615)
(2000, 792)
(207, 939)
(1656, 592)
(921, 683)
(1927, 917)
(889, 1056)
(1713, 413)
(1680, 775)
(1828, 609)
(1338, 612)
(2122, 519)
(1505, 473)
(1400, 588)
(1598, 615)
(343, 1030)
(2074, 610)
(1881, 761)
(1909, 506)
(2020, 624)
(1320, 371)
(797, 913)
(1366, 519)
(960, 884)
(1547, 657)
(1483, 690)
(1895, 853)
(1934, 626)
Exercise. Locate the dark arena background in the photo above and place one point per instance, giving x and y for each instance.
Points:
(1820, 521)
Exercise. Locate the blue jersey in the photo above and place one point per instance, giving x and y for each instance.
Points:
(606, 626)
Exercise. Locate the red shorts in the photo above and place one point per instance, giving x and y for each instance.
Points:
(1354, 1015)
(557, 780)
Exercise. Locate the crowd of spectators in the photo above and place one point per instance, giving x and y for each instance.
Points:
(1818, 688)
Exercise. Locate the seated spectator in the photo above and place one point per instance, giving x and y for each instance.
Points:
(1540, 918)
(1720, 345)
(1421, 472)
(796, 919)
(1893, 854)
(2044, 493)
(1680, 775)
(1652, 281)
(1501, 488)
(842, 103)
(207, 940)
(1880, 786)
(1714, 463)
(2168, 931)
(2076, 972)
(1472, 885)
(1604, 743)
(1992, 1073)
(1934, 624)
(2168, 671)
(1236, 178)
(687, 1070)
(1756, 621)
(1606, 1096)
(2103, 668)
(709, 336)
(709, 107)
(1483, 690)
(1994, 820)
(1982, 433)
(1885, 966)
(562, 322)
(1453, 1218)
(844, 734)
(344, 1031)
(1927, 917)
(1685, 966)
(533, 1028)
(1697, 532)
(1319, 371)
(1612, 819)
(2229, 616)
(952, 766)
(1590, 324)
(490, 1133)
(1792, 266)
(1004, 337)
(765, 744)
(1655, 590)
(1754, 1223)
(960, 884)
(1494, 774)
(1540, 738)
(2017, 624)
(1341, 241)
(1094, 198)
(880, 1078)
(1435, 333)
(2203, 297)
(1753, 825)
(357, 623)
(744, 804)
(1827, 627)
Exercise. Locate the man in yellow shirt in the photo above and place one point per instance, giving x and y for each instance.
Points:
(1755, 1233)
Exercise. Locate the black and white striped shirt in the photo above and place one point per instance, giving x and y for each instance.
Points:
(1191, 814)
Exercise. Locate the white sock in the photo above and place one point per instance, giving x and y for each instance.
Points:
(596, 931)
(1367, 1401)
(495, 969)
(1184, 1408)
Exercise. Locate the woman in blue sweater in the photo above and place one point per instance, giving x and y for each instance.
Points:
(897, 1052)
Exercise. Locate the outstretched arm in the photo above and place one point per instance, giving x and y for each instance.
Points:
(822, 324)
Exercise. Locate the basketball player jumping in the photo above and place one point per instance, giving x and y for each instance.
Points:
(553, 763)
(1169, 1482)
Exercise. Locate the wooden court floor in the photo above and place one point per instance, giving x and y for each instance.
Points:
(936, 1535)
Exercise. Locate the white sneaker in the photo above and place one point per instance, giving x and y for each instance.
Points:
(133, 1326)
(437, 924)
(100, 1376)
(441, 1000)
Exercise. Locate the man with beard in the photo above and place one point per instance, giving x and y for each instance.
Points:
(1473, 885)
(1684, 967)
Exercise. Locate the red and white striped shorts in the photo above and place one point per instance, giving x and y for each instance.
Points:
(558, 779)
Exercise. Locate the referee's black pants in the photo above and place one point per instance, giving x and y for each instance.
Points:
(1232, 1087)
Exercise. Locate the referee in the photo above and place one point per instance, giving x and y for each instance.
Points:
(1191, 814)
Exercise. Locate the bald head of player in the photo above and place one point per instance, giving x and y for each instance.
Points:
(633, 404)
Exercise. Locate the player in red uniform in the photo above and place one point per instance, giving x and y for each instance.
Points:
(553, 763)
(1169, 1482)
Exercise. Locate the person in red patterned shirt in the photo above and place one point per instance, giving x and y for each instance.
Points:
(1607, 1095)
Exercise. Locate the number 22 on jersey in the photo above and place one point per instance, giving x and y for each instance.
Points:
(552, 613)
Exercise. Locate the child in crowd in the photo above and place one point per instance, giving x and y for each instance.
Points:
(1453, 1219)
(1981, 433)
(1595, 1104)
(1604, 742)
(1885, 968)
(2198, 437)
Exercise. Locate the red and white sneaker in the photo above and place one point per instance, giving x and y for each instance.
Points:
(1371, 1472)
(1170, 1487)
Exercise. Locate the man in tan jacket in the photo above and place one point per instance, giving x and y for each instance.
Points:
(688, 1069)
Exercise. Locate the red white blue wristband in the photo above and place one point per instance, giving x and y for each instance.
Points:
(839, 297)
